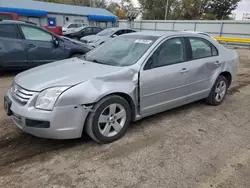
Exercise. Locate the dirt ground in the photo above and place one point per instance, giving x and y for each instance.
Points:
(195, 146)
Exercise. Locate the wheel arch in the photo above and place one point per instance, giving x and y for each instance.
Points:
(128, 98)
(228, 76)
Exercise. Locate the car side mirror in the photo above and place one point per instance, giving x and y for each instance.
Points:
(55, 41)
(114, 35)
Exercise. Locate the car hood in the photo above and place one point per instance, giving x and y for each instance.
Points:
(63, 73)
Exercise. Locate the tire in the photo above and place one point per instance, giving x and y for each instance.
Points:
(101, 126)
(75, 55)
(213, 98)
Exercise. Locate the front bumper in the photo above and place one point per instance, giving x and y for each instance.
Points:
(65, 122)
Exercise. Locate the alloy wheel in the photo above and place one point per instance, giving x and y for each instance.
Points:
(112, 120)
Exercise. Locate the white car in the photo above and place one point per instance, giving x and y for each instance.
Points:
(72, 27)
(105, 35)
(126, 79)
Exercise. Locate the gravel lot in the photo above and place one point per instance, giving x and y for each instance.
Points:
(192, 146)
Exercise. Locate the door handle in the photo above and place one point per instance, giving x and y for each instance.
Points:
(217, 63)
(30, 46)
(184, 70)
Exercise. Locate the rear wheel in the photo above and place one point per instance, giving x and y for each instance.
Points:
(218, 92)
(109, 120)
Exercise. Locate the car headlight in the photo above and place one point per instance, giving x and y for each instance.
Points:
(47, 98)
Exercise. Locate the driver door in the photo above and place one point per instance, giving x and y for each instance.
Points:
(40, 47)
(163, 80)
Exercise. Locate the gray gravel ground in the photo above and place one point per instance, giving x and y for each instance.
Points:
(192, 146)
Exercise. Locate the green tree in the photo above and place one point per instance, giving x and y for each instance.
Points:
(120, 9)
(99, 4)
(221, 9)
(187, 9)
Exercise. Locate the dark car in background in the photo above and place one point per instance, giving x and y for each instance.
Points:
(86, 31)
(24, 45)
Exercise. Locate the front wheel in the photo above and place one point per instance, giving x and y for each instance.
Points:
(218, 92)
(109, 119)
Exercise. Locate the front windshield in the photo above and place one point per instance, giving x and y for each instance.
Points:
(124, 50)
(106, 32)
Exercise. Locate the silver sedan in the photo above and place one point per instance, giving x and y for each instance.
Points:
(128, 78)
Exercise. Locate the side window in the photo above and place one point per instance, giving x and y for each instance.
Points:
(168, 53)
(120, 32)
(96, 29)
(72, 26)
(9, 31)
(214, 51)
(202, 48)
(32, 33)
(130, 31)
(87, 30)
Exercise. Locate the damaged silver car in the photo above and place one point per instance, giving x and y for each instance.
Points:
(128, 78)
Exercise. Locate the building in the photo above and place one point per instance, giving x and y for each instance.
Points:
(246, 16)
(53, 14)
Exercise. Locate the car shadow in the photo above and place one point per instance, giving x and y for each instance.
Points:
(166, 114)
(22, 147)
(9, 73)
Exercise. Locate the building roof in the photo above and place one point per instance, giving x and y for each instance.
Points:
(54, 7)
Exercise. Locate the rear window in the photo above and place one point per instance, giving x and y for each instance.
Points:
(9, 31)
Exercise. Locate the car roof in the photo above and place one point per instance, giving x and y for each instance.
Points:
(16, 22)
(118, 28)
(197, 32)
(159, 33)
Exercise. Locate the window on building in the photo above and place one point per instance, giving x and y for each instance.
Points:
(9, 31)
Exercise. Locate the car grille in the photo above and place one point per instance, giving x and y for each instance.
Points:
(20, 94)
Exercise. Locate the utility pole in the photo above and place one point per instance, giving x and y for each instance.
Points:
(166, 11)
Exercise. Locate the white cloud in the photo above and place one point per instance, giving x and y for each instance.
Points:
(243, 7)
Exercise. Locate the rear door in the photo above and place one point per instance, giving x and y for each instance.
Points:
(204, 65)
(12, 49)
(39, 46)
